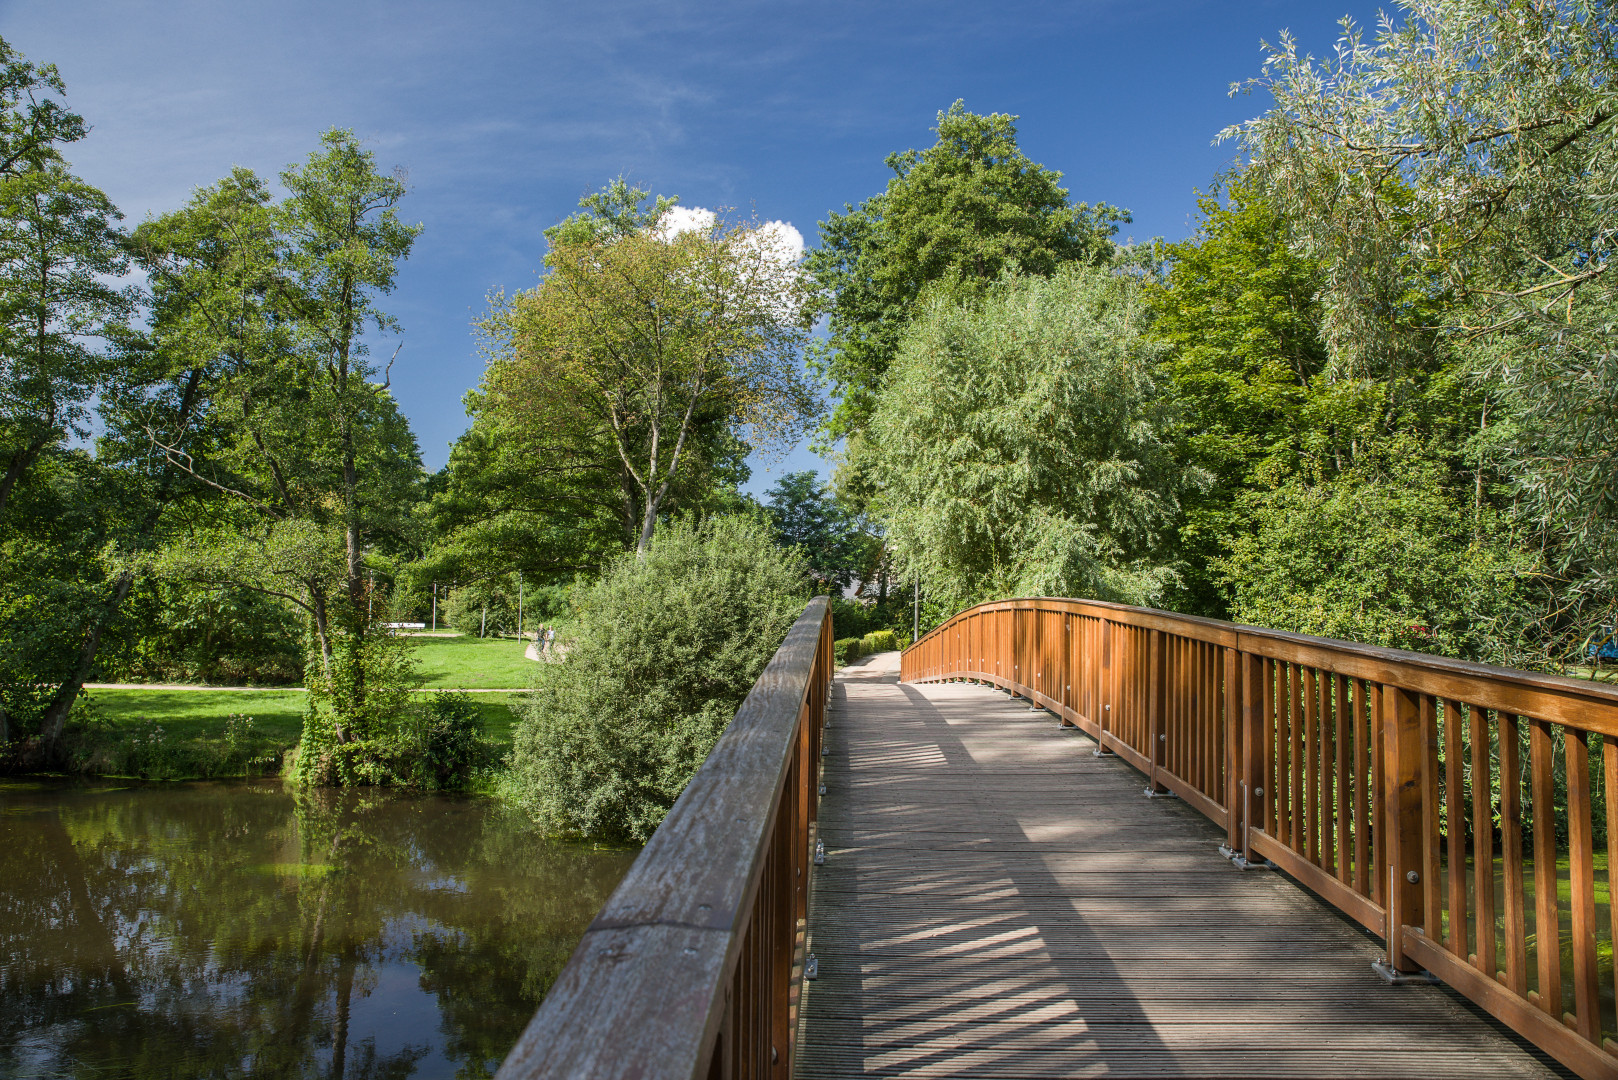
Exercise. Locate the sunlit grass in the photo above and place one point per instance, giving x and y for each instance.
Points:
(473, 663)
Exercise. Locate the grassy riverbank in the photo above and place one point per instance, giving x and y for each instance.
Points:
(173, 734)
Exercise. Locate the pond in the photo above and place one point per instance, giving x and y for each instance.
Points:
(242, 929)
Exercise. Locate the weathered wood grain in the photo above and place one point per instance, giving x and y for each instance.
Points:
(998, 902)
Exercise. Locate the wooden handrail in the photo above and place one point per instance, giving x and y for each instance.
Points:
(691, 969)
(1383, 780)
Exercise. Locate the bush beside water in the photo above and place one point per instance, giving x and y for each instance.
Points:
(666, 649)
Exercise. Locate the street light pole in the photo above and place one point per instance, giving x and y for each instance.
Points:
(915, 617)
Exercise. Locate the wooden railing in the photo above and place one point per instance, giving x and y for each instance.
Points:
(1444, 805)
(692, 968)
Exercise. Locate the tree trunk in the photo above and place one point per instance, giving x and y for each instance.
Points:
(66, 694)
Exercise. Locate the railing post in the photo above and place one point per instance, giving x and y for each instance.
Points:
(1234, 698)
(1402, 821)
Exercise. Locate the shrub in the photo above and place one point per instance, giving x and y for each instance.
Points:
(879, 641)
(357, 711)
(847, 650)
(665, 649)
(450, 740)
(1384, 554)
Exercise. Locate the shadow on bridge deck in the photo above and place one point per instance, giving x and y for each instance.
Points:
(998, 902)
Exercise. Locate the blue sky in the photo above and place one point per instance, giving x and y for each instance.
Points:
(505, 113)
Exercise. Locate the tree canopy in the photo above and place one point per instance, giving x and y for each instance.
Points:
(955, 215)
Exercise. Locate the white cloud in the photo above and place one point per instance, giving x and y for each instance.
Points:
(684, 219)
(786, 236)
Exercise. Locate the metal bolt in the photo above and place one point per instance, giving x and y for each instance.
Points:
(1107, 708)
(1258, 793)
(823, 789)
(1413, 877)
(1162, 738)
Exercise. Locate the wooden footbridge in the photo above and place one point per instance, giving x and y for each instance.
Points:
(1065, 838)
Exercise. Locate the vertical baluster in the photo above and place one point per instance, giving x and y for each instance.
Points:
(1345, 785)
(1431, 813)
(1234, 705)
(1210, 719)
(1311, 771)
(1483, 840)
(1272, 752)
(1224, 684)
(1198, 701)
(1362, 792)
(1582, 887)
(1285, 720)
(1455, 818)
(1547, 921)
(1609, 758)
(1379, 796)
(1515, 930)
(1328, 775)
(1298, 811)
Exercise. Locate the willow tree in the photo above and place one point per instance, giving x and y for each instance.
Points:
(1466, 157)
(1022, 445)
(636, 339)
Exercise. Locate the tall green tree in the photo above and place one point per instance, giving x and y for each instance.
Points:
(1466, 155)
(637, 343)
(808, 515)
(302, 443)
(957, 215)
(60, 251)
(1023, 449)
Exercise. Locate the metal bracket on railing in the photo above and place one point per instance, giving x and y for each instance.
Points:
(820, 853)
(811, 967)
(1395, 977)
(1240, 862)
(823, 789)
(1150, 794)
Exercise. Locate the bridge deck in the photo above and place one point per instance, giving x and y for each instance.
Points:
(998, 902)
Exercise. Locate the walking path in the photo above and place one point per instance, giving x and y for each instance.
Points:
(998, 902)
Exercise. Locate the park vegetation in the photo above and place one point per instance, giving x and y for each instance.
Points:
(1370, 397)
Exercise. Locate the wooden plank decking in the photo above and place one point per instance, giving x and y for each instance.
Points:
(998, 902)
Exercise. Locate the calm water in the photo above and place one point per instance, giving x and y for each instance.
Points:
(241, 930)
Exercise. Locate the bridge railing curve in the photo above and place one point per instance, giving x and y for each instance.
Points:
(1444, 805)
(693, 966)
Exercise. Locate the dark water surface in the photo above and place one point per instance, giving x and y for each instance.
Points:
(239, 929)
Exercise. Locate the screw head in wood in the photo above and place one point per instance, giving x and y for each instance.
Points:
(1413, 877)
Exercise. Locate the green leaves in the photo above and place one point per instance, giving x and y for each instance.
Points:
(954, 218)
(1018, 447)
(667, 647)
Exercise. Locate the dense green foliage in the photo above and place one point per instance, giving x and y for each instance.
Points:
(838, 542)
(955, 217)
(1383, 554)
(665, 649)
(1372, 397)
(1021, 446)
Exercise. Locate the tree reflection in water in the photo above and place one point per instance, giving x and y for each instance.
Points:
(245, 930)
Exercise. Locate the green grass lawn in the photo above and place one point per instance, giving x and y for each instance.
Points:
(484, 663)
(196, 736)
